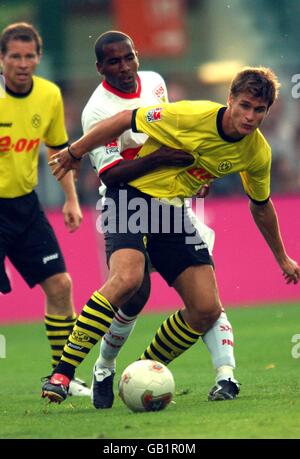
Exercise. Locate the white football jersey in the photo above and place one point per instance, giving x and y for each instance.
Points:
(106, 101)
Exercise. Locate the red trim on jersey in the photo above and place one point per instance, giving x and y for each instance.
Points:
(124, 95)
(130, 153)
(109, 166)
(200, 173)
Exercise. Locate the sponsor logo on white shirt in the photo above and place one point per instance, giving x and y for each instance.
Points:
(159, 91)
(112, 147)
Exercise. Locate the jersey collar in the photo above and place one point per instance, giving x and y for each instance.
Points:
(220, 128)
(20, 95)
(124, 95)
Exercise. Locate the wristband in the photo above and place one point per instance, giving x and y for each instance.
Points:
(71, 154)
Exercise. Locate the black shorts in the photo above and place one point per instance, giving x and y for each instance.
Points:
(132, 219)
(28, 240)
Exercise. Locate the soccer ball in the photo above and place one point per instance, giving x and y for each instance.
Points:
(146, 385)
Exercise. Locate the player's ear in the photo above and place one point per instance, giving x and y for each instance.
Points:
(229, 100)
(99, 68)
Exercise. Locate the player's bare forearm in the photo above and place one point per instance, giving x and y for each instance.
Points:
(128, 170)
(266, 220)
(67, 182)
(68, 185)
(102, 133)
(71, 209)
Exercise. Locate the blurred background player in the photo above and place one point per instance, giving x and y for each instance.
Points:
(124, 87)
(31, 112)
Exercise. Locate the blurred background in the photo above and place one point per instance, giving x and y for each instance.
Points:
(197, 45)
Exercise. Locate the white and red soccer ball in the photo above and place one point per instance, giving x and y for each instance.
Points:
(146, 385)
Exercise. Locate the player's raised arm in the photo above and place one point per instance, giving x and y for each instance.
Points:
(102, 133)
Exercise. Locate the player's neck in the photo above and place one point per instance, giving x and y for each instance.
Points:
(21, 90)
(228, 127)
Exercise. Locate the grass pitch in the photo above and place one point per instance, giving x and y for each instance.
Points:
(268, 405)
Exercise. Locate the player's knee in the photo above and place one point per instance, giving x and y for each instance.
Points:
(64, 283)
(59, 285)
(205, 317)
(214, 314)
(128, 283)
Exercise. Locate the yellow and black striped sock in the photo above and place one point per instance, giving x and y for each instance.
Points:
(58, 329)
(90, 326)
(173, 337)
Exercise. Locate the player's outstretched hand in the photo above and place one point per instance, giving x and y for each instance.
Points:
(290, 271)
(62, 162)
(172, 157)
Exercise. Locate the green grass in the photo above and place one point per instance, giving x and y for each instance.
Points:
(267, 407)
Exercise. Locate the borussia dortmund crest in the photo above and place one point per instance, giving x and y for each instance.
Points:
(36, 121)
(224, 166)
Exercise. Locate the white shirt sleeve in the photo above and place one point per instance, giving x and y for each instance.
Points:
(102, 157)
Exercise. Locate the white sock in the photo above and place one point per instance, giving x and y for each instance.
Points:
(225, 372)
(111, 343)
(219, 341)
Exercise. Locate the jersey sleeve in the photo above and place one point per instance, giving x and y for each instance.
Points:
(56, 134)
(103, 157)
(159, 122)
(256, 181)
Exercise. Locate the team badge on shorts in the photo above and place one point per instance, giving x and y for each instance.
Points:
(154, 115)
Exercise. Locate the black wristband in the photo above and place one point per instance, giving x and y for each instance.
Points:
(71, 154)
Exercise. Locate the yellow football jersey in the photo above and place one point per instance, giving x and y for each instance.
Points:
(25, 122)
(196, 127)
